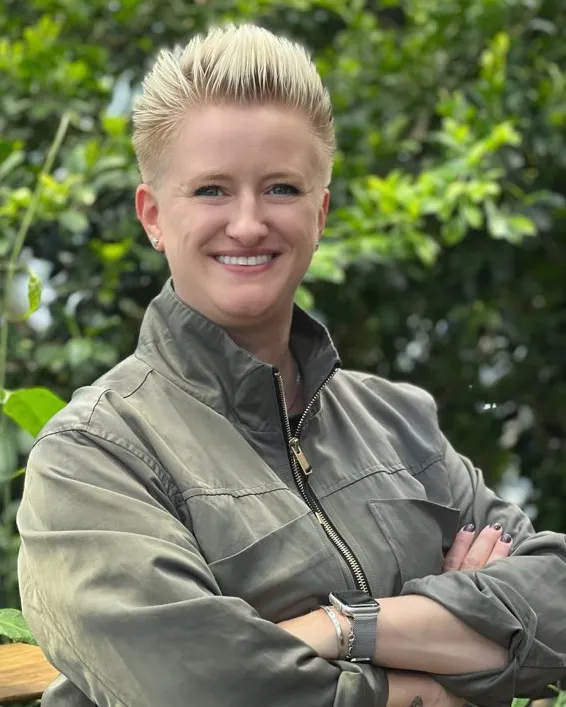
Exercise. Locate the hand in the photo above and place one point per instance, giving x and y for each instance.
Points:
(408, 689)
(442, 698)
(472, 552)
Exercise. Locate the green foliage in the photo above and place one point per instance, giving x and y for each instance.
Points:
(31, 408)
(14, 628)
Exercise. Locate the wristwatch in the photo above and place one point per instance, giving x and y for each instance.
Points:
(362, 610)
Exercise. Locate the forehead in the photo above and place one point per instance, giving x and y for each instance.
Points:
(243, 140)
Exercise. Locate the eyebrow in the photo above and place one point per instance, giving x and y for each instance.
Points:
(207, 177)
(291, 174)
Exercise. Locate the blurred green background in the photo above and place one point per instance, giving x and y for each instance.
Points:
(444, 261)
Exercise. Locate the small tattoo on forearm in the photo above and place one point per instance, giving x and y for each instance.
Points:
(417, 702)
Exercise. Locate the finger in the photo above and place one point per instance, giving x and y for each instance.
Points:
(462, 543)
(482, 547)
(502, 547)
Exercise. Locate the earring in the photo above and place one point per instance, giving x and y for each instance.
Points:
(154, 241)
(316, 246)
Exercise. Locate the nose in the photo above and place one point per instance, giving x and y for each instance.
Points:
(246, 222)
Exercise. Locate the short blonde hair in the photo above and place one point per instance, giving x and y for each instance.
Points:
(242, 64)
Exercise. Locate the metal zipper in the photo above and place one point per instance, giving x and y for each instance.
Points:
(302, 469)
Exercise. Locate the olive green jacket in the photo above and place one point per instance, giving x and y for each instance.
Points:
(167, 525)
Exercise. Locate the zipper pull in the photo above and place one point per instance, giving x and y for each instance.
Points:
(300, 457)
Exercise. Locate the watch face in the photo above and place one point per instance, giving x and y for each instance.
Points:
(354, 597)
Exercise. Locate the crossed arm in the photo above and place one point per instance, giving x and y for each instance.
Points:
(417, 635)
(147, 583)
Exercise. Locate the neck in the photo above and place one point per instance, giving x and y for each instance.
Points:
(268, 342)
(271, 345)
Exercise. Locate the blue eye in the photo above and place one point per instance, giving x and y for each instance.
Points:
(284, 190)
(208, 190)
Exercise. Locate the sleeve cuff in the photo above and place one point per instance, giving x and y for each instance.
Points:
(376, 684)
(493, 609)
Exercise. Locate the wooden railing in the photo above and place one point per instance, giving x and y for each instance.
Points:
(24, 673)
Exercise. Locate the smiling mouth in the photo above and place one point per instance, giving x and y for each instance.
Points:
(245, 260)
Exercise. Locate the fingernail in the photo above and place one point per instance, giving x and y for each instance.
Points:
(496, 526)
(469, 528)
(505, 538)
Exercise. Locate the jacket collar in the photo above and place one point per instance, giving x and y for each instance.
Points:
(199, 356)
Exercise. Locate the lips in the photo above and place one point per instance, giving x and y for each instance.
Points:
(249, 261)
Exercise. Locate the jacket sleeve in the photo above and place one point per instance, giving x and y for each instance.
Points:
(123, 604)
(518, 602)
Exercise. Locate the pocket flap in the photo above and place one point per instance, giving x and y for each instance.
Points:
(418, 532)
(285, 573)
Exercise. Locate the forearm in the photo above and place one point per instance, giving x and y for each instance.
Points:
(414, 633)
(416, 690)
(417, 633)
(404, 688)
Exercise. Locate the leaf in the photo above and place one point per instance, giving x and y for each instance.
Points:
(472, 214)
(539, 24)
(13, 160)
(328, 263)
(74, 221)
(114, 252)
(114, 125)
(78, 351)
(111, 162)
(496, 221)
(32, 408)
(34, 292)
(427, 250)
(454, 230)
(14, 627)
(34, 296)
(522, 225)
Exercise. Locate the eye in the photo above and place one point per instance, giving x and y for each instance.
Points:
(284, 190)
(209, 190)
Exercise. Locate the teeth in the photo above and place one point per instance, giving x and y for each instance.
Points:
(241, 260)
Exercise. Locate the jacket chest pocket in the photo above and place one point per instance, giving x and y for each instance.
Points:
(418, 532)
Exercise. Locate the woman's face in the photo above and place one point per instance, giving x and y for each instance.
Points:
(238, 211)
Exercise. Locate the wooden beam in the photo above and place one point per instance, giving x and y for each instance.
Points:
(24, 673)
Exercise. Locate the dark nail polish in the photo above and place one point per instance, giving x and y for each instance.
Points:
(469, 528)
(506, 538)
(496, 526)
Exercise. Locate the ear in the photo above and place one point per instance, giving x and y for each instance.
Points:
(147, 210)
(323, 211)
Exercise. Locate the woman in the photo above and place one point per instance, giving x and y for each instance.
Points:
(185, 516)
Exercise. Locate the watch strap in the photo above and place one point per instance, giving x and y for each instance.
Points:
(362, 618)
(365, 634)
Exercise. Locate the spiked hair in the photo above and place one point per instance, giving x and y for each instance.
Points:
(243, 65)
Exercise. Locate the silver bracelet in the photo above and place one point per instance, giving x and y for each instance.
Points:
(351, 639)
(339, 633)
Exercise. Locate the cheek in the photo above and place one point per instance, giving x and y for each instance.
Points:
(190, 224)
(303, 222)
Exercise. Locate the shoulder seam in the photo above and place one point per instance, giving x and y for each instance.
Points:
(125, 397)
(173, 492)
